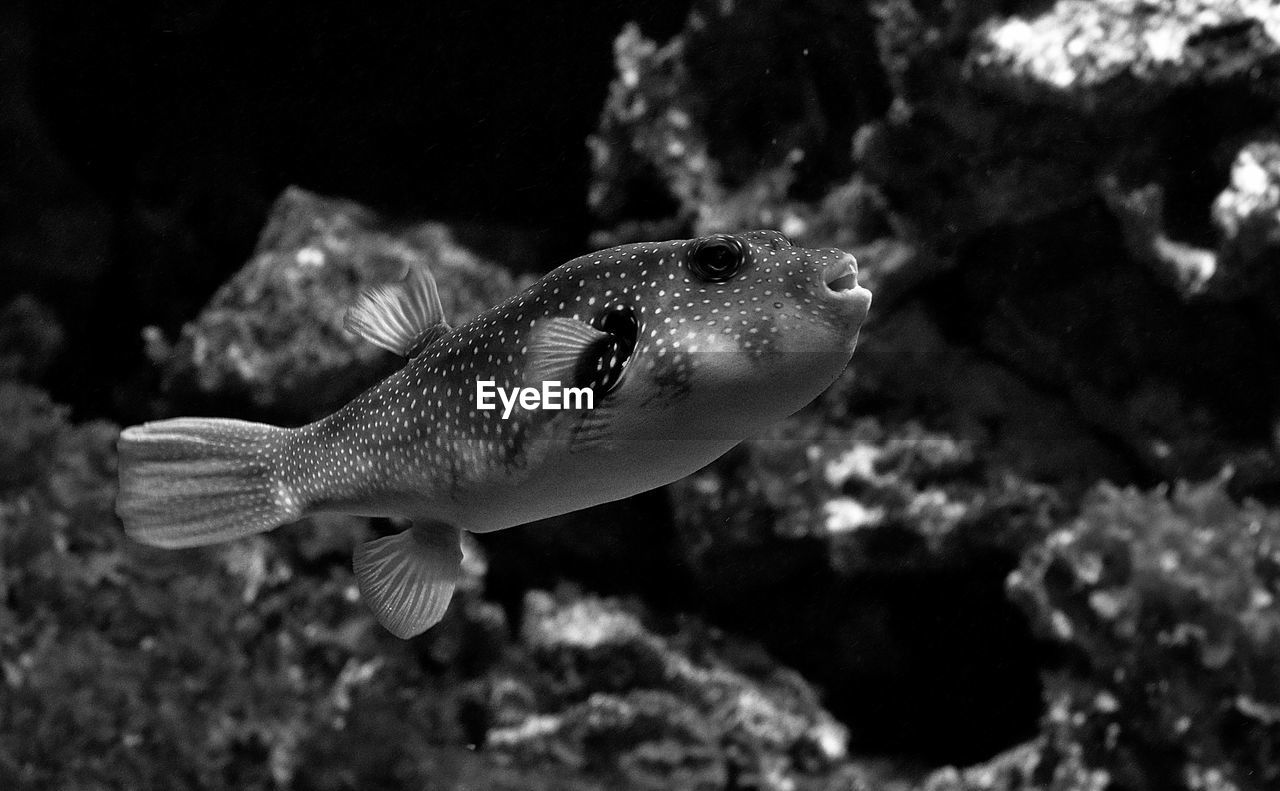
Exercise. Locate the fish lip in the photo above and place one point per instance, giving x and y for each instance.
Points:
(840, 280)
(842, 274)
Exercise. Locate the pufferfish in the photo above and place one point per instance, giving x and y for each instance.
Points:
(687, 347)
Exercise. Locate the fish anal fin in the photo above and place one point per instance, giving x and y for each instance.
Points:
(557, 348)
(397, 317)
(408, 579)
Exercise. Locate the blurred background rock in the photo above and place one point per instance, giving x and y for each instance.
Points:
(1030, 540)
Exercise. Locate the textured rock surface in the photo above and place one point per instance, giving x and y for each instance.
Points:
(1027, 767)
(1168, 602)
(1032, 108)
(690, 710)
(708, 132)
(1083, 49)
(1247, 214)
(1010, 132)
(1059, 180)
(1068, 212)
(871, 557)
(273, 338)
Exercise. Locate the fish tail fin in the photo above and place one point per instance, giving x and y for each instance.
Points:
(192, 481)
(408, 579)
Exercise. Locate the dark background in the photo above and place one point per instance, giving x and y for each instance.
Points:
(174, 125)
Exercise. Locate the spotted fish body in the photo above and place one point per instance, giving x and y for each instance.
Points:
(688, 347)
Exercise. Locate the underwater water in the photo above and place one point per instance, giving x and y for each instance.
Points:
(1028, 539)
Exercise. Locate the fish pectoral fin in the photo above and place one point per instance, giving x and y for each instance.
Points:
(557, 348)
(404, 317)
(408, 579)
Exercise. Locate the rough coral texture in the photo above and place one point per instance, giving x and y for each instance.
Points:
(1027, 767)
(684, 710)
(809, 480)
(273, 336)
(874, 554)
(1012, 143)
(1067, 212)
(1247, 214)
(704, 133)
(1081, 47)
(1120, 60)
(1053, 173)
(1168, 601)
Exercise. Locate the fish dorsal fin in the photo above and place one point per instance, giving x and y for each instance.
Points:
(427, 337)
(401, 316)
(557, 347)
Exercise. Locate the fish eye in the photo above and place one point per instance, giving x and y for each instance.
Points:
(717, 258)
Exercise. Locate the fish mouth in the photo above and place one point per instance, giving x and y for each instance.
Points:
(841, 280)
(842, 275)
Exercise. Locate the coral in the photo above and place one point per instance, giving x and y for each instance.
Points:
(1036, 108)
(609, 696)
(1085, 48)
(646, 130)
(1248, 211)
(273, 338)
(32, 423)
(1124, 58)
(1247, 215)
(713, 133)
(1168, 602)
(910, 367)
(1140, 210)
(1010, 133)
(1022, 768)
(1039, 185)
(874, 554)
(1034, 766)
(833, 483)
(646, 739)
